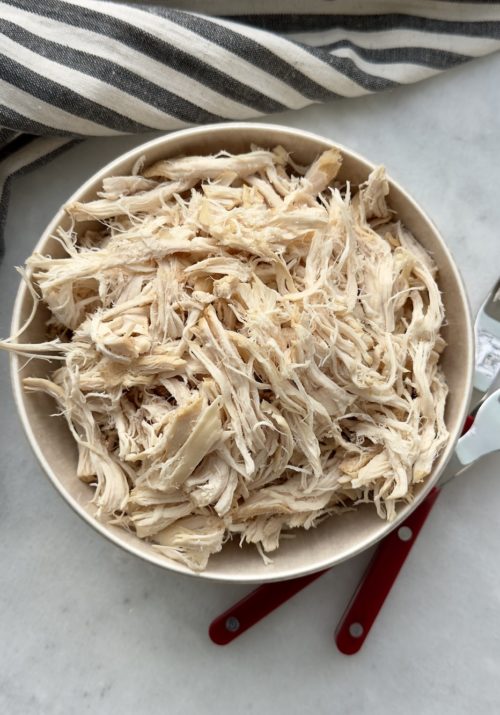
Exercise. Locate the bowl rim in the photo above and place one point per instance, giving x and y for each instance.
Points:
(170, 565)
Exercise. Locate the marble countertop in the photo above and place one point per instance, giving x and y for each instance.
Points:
(88, 628)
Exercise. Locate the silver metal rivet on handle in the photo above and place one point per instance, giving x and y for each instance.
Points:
(232, 624)
(356, 630)
(405, 533)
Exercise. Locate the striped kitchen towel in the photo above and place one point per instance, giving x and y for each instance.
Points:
(71, 69)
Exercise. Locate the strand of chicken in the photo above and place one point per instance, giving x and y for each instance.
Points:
(245, 346)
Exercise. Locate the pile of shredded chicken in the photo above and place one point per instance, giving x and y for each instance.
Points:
(245, 346)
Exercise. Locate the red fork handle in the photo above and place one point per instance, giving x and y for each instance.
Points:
(382, 572)
(379, 578)
(258, 604)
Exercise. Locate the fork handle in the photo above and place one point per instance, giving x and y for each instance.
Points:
(382, 572)
(255, 606)
(379, 577)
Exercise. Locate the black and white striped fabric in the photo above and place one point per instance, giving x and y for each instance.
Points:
(71, 69)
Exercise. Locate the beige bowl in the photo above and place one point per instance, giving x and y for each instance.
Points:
(337, 538)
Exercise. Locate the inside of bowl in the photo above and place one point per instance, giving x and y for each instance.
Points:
(338, 537)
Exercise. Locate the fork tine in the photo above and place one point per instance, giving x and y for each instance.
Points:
(491, 305)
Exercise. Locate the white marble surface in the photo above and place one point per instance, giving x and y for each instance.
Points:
(87, 628)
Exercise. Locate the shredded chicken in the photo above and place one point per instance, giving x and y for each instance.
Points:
(245, 347)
